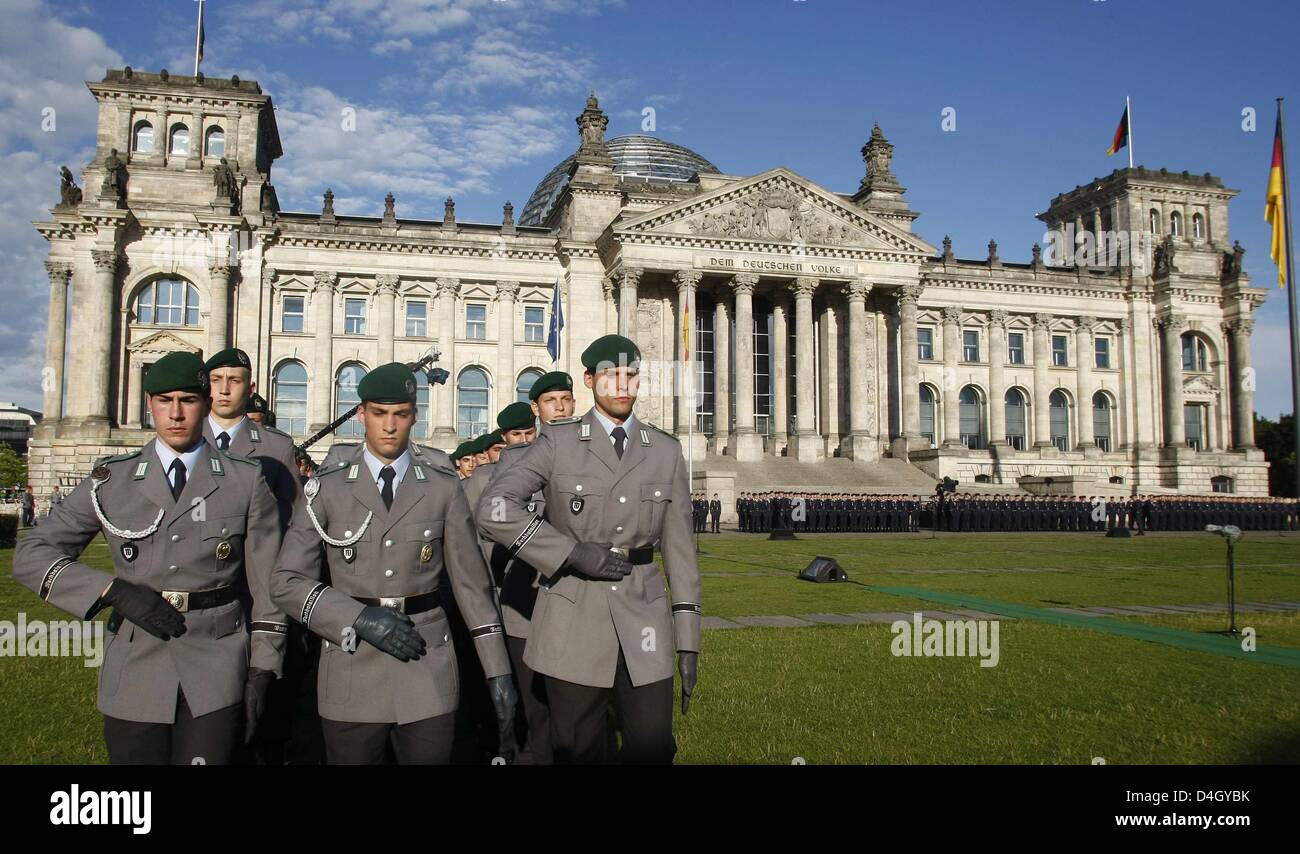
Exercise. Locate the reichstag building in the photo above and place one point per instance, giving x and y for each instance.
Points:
(833, 345)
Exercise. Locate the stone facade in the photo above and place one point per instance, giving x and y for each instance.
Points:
(867, 341)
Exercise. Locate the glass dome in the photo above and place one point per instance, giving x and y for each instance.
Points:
(635, 156)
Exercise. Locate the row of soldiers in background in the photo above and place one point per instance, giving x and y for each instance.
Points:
(702, 510)
(969, 512)
(840, 512)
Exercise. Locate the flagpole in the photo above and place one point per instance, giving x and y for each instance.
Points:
(198, 31)
(1290, 297)
(1128, 117)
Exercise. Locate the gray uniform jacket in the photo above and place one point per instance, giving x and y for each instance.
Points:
(340, 456)
(593, 496)
(474, 486)
(515, 578)
(195, 545)
(381, 553)
(273, 450)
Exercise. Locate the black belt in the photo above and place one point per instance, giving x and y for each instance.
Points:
(417, 604)
(636, 557)
(184, 601)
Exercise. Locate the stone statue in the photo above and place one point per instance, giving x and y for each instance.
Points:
(507, 215)
(69, 192)
(114, 185)
(328, 210)
(223, 178)
(390, 207)
(1232, 261)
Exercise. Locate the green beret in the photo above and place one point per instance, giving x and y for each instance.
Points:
(479, 444)
(464, 449)
(493, 438)
(231, 357)
(257, 403)
(177, 371)
(516, 416)
(610, 350)
(391, 383)
(554, 381)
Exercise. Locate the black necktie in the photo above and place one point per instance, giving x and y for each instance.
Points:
(620, 437)
(386, 474)
(178, 478)
(223, 441)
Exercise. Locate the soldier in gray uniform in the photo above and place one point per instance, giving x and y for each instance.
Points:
(615, 490)
(391, 524)
(184, 523)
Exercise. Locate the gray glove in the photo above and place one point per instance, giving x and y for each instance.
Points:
(596, 561)
(391, 631)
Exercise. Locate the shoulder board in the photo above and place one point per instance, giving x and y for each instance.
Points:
(572, 420)
(658, 429)
(239, 458)
(118, 458)
(445, 472)
(266, 429)
(321, 471)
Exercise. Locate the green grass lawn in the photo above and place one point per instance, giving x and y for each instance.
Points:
(836, 694)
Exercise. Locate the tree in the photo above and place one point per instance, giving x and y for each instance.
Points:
(13, 468)
(1277, 440)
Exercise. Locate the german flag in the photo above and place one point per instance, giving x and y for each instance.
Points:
(1275, 207)
(1121, 134)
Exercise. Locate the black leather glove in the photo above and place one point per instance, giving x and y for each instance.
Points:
(688, 665)
(391, 631)
(504, 701)
(145, 608)
(256, 687)
(595, 560)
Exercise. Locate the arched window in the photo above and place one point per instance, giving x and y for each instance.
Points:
(423, 411)
(345, 397)
(1196, 353)
(472, 403)
(927, 414)
(1059, 411)
(180, 143)
(1198, 226)
(168, 302)
(1155, 221)
(1015, 408)
(971, 418)
(214, 143)
(1176, 224)
(142, 138)
(1101, 420)
(525, 383)
(289, 398)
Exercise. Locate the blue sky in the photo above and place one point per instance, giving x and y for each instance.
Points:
(477, 98)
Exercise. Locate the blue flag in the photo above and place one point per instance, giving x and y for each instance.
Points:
(557, 325)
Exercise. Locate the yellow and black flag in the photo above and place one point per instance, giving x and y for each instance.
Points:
(1275, 206)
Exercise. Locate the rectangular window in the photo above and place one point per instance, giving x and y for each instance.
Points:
(762, 375)
(925, 344)
(291, 318)
(170, 304)
(970, 346)
(1016, 348)
(534, 324)
(704, 372)
(354, 317)
(417, 319)
(1102, 346)
(1194, 425)
(1059, 351)
(476, 320)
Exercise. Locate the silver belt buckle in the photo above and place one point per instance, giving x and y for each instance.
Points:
(623, 553)
(397, 603)
(178, 599)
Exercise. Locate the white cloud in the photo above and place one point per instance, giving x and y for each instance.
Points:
(391, 46)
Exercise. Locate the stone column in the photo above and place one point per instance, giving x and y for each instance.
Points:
(1172, 327)
(444, 396)
(322, 384)
(610, 305)
(1124, 417)
(807, 444)
(218, 309)
(1042, 387)
(630, 277)
(748, 444)
(909, 393)
(780, 388)
(1084, 355)
(684, 386)
(829, 379)
(60, 273)
(99, 315)
(385, 311)
(1242, 383)
(507, 291)
(135, 393)
(997, 354)
(861, 444)
(951, 355)
(721, 375)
